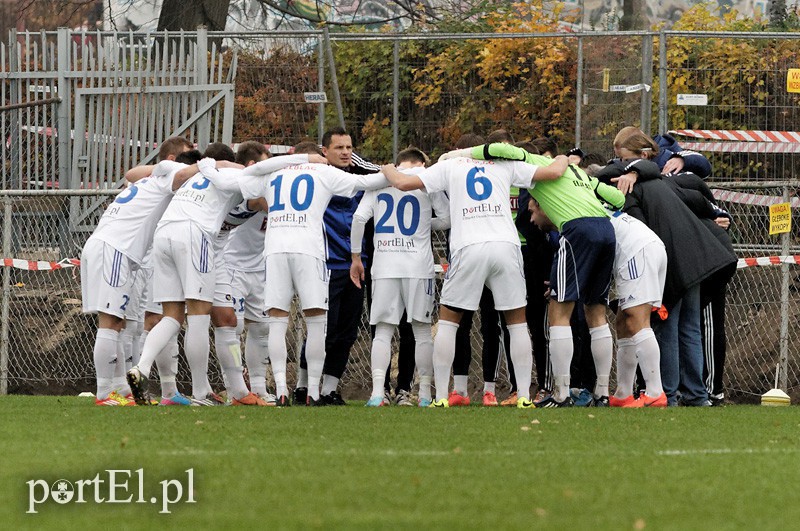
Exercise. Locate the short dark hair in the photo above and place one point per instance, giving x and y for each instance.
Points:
(528, 146)
(307, 148)
(412, 154)
(251, 151)
(592, 158)
(189, 157)
(499, 135)
(220, 151)
(330, 133)
(174, 145)
(468, 140)
(545, 145)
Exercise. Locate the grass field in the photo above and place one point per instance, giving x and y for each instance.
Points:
(351, 467)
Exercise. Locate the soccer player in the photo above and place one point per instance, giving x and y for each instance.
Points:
(244, 260)
(109, 261)
(402, 270)
(640, 268)
(346, 301)
(484, 250)
(185, 278)
(581, 270)
(295, 253)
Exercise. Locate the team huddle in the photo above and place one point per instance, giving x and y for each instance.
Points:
(537, 243)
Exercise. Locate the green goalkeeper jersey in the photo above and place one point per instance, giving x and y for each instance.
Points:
(573, 195)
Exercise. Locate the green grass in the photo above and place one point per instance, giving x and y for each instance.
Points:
(715, 468)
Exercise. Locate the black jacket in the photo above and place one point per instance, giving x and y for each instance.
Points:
(693, 252)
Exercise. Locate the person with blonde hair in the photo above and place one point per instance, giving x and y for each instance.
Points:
(665, 151)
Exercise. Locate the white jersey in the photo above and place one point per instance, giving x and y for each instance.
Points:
(632, 236)
(233, 219)
(298, 196)
(244, 250)
(129, 222)
(203, 202)
(402, 230)
(479, 191)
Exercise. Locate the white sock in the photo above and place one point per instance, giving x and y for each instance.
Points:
(196, 344)
(167, 364)
(277, 352)
(489, 387)
(626, 367)
(521, 357)
(229, 354)
(560, 359)
(329, 384)
(126, 344)
(155, 341)
(255, 354)
(602, 352)
(444, 352)
(302, 376)
(105, 360)
(381, 356)
(120, 382)
(461, 384)
(315, 352)
(423, 357)
(649, 356)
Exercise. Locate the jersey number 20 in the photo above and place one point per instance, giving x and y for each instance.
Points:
(383, 225)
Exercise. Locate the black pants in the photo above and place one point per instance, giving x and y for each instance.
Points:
(405, 358)
(713, 292)
(345, 307)
(490, 329)
(537, 262)
(582, 370)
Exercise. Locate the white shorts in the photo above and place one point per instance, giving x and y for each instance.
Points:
(392, 296)
(138, 296)
(150, 305)
(641, 279)
(496, 265)
(183, 259)
(290, 273)
(247, 288)
(223, 295)
(107, 279)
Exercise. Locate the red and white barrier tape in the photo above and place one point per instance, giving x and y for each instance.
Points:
(740, 134)
(767, 261)
(743, 147)
(752, 199)
(40, 265)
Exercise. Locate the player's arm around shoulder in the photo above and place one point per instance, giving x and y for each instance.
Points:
(402, 181)
(138, 173)
(553, 171)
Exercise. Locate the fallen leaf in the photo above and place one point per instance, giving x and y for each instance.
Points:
(525, 428)
(199, 422)
(535, 421)
(639, 524)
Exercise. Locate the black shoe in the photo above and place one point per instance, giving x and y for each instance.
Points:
(333, 399)
(717, 400)
(283, 401)
(310, 402)
(550, 401)
(299, 396)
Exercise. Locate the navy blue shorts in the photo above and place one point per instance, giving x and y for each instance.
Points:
(584, 261)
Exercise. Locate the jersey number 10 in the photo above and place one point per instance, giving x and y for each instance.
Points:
(294, 193)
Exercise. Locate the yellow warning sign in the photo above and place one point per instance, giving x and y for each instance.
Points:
(780, 218)
(793, 80)
(607, 78)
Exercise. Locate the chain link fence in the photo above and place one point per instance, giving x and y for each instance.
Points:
(395, 90)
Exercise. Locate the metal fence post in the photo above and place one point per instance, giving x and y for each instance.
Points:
(64, 106)
(395, 97)
(6, 298)
(321, 84)
(783, 342)
(201, 78)
(647, 79)
(662, 82)
(579, 93)
(334, 80)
